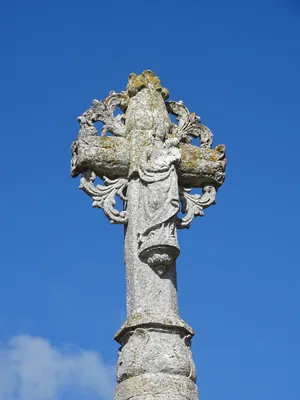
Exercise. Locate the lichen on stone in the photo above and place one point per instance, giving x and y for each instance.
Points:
(146, 79)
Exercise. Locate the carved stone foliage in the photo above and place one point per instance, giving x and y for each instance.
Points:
(104, 196)
(192, 205)
(189, 124)
(103, 111)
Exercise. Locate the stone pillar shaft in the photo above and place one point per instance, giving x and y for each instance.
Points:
(155, 360)
(147, 292)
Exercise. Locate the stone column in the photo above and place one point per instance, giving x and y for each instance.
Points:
(150, 163)
(155, 359)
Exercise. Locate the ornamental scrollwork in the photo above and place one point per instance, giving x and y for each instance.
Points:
(104, 196)
(189, 124)
(103, 111)
(192, 205)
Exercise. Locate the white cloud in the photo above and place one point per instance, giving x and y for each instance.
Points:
(32, 369)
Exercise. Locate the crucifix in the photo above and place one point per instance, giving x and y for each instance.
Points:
(151, 164)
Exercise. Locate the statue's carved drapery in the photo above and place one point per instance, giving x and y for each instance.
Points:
(159, 201)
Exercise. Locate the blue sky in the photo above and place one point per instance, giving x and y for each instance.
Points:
(62, 283)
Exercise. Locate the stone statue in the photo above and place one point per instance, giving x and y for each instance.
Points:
(159, 199)
(150, 163)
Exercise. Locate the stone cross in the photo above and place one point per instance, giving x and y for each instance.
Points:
(150, 163)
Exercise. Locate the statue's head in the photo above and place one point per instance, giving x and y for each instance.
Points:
(161, 130)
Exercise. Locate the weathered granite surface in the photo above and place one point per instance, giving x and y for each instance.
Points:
(150, 163)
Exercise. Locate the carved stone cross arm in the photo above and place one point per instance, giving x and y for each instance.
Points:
(153, 166)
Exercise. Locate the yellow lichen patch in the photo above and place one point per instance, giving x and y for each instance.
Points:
(137, 82)
(220, 148)
(108, 142)
(146, 79)
(123, 96)
(190, 157)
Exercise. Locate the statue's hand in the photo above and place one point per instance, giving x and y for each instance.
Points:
(163, 162)
(174, 154)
